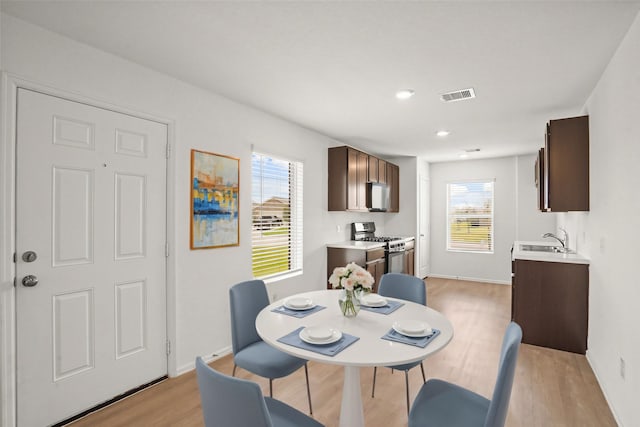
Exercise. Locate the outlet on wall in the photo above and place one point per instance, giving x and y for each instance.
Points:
(623, 368)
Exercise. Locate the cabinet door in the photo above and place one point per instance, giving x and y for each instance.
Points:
(352, 180)
(393, 181)
(551, 304)
(358, 164)
(361, 181)
(376, 269)
(567, 164)
(545, 173)
(540, 181)
(337, 180)
(382, 171)
(373, 169)
(339, 257)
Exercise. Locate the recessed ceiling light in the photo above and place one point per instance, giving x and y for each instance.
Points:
(405, 93)
(443, 133)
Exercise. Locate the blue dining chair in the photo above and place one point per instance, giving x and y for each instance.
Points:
(250, 352)
(232, 402)
(409, 288)
(440, 403)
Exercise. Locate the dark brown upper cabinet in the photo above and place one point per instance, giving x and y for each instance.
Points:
(377, 170)
(348, 174)
(393, 182)
(373, 169)
(539, 171)
(350, 170)
(562, 169)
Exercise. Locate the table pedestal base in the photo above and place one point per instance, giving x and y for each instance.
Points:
(351, 414)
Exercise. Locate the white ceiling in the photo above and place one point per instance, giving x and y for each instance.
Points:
(334, 66)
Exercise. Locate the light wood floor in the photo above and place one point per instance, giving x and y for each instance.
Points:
(551, 388)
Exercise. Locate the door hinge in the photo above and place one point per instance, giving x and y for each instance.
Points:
(166, 250)
(15, 282)
(168, 151)
(168, 347)
(15, 257)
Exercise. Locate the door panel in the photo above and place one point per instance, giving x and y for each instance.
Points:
(72, 216)
(91, 203)
(130, 216)
(131, 307)
(73, 334)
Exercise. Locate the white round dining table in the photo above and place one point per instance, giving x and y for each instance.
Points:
(369, 350)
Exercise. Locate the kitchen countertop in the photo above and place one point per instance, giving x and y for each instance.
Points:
(353, 244)
(571, 258)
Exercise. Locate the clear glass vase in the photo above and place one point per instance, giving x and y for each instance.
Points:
(349, 303)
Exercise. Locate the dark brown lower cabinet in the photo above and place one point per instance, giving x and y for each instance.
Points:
(373, 260)
(550, 301)
(376, 269)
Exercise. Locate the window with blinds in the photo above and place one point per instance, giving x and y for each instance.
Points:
(276, 232)
(470, 216)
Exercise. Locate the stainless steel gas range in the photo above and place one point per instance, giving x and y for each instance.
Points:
(394, 247)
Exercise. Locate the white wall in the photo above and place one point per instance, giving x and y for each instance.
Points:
(206, 121)
(201, 120)
(404, 223)
(515, 216)
(531, 224)
(607, 232)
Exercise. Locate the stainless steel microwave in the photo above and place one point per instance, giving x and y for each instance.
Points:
(377, 197)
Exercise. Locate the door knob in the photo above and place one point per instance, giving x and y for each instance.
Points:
(29, 281)
(29, 256)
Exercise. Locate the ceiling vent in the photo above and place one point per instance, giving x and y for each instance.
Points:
(458, 95)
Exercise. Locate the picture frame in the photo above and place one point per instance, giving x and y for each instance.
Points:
(215, 188)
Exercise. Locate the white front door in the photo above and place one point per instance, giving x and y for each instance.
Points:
(423, 238)
(91, 230)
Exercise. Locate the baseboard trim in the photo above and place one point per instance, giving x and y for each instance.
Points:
(470, 279)
(604, 391)
(207, 358)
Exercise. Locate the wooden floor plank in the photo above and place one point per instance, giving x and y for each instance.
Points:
(551, 387)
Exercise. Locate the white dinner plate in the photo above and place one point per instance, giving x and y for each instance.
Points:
(373, 300)
(320, 335)
(412, 328)
(299, 303)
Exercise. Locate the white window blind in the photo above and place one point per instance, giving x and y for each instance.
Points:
(276, 232)
(470, 216)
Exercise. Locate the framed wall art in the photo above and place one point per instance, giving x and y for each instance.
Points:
(214, 200)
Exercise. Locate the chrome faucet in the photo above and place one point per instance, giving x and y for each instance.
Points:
(562, 241)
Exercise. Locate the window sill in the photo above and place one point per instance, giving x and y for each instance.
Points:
(283, 276)
(470, 252)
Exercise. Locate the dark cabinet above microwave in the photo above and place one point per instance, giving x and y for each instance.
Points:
(360, 182)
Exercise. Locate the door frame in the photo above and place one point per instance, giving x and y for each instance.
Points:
(423, 194)
(9, 86)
